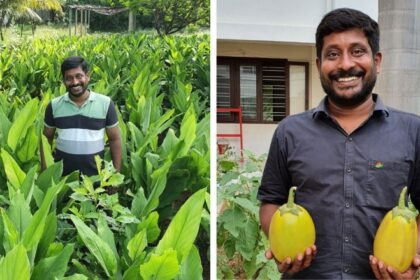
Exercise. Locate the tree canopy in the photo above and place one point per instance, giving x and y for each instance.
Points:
(171, 16)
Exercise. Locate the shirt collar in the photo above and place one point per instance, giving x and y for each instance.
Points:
(379, 107)
(91, 98)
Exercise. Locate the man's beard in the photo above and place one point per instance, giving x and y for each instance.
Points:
(356, 98)
(77, 94)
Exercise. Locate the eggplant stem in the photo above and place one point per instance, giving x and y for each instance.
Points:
(401, 201)
(291, 198)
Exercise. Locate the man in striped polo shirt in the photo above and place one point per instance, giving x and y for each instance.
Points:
(81, 118)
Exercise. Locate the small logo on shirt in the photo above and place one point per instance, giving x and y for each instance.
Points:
(379, 164)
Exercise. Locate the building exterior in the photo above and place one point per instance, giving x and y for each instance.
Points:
(266, 60)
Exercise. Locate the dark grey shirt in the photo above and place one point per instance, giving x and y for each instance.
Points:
(346, 182)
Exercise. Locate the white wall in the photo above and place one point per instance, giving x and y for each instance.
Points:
(279, 20)
(256, 137)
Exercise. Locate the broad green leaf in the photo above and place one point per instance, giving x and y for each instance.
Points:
(136, 171)
(136, 135)
(5, 125)
(54, 249)
(29, 145)
(38, 195)
(106, 234)
(156, 128)
(53, 267)
(203, 127)
(11, 235)
(205, 220)
(19, 213)
(179, 180)
(52, 173)
(269, 271)
(123, 130)
(191, 266)
(161, 267)
(22, 123)
(183, 228)
(28, 183)
(138, 203)
(188, 131)
(250, 267)
(48, 235)
(14, 174)
(2, 250)
(81, 268)
(169, 143)
(99, 248)
(35, 229)
(248, 235)
(133, 272)
(158, 186)
(247, 205)
(46, 149)
(76, 277)
(232, 220)
(145, 111)
(151, 225)
(15, 265)
(229, 246)
(137, 244)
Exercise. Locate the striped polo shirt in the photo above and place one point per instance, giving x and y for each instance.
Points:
(80, 130)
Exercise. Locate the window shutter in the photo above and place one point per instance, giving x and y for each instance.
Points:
(274, 91)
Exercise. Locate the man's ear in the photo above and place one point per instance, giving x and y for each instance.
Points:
(378, 59)
(318, 64)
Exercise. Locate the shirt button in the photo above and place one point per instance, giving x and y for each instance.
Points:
(347, 205)
(348, 170)
(350, 139)
(346, 239)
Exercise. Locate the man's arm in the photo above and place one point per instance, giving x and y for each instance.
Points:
(114, 139)
(267, 211)
(49, 133)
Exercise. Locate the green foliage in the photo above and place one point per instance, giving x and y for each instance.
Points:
(171, 16)
(241, 243)
(15, 265)
(152, 214)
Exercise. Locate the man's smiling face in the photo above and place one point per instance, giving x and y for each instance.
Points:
(347, 67)
(76, 81)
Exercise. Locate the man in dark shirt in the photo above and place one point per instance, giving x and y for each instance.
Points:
(349, 158)
(81, 118)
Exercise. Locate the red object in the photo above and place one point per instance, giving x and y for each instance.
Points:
(233, 135)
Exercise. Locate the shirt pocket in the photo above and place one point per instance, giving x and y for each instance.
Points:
(385, 182)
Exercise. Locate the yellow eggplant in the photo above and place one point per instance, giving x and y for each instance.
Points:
(291, 230)
(396, 239)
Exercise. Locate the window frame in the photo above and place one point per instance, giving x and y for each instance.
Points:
(306, 65)
(234, 70)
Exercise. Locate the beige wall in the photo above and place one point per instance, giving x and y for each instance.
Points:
(257, 137)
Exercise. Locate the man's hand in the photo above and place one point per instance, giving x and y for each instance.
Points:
(383, 271)
(302, 261)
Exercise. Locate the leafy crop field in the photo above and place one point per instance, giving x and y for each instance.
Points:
(241, 244)
(155, 223)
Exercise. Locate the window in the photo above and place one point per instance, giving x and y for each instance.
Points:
(261, 87)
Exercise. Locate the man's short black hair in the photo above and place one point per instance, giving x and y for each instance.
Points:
(74, 62)
(343, 19)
